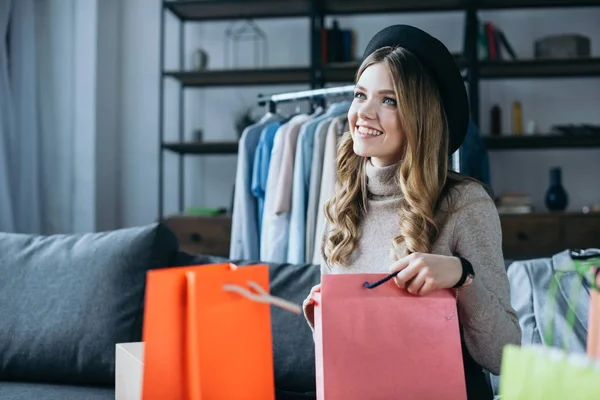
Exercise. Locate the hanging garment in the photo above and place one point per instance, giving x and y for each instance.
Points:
(275, 225)
(328, 178)
(314, 189)
(244, 224)
(260, 171)
(300, 182)
(474, 159)
(272, 176)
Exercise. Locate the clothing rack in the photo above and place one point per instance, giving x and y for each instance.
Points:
(271, 102)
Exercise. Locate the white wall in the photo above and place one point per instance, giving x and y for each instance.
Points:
(78, 45)
(108, 134)
(210, 179)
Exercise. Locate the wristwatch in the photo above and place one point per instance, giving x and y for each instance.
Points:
(468, 274)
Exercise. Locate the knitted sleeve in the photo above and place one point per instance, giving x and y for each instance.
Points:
(485, 312)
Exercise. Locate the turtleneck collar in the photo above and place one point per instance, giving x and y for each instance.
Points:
(381, 180)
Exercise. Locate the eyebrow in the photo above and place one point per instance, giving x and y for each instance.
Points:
(384, 91)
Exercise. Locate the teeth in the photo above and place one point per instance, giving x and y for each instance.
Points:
(369, 131)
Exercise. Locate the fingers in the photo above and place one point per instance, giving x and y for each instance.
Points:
(315, 289)
(308, 306)
(401, 263)
(408, 272)
(428, 287)
(309, 301)
(309, 312)
(415, 285)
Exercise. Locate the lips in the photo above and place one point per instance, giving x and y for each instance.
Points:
(365, 130)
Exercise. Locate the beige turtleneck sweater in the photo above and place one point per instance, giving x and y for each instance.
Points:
(472, 230)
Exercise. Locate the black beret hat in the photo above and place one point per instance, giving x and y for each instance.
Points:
(438, 61)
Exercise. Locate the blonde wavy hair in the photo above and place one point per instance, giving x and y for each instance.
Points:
(422, 176)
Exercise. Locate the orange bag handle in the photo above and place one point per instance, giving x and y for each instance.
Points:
(192, 361)
(191, 342)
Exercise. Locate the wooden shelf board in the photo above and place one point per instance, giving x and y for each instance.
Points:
(516, 4)
(344, 72)
(339, 7)
(540, 142)
(585, 67)
(340, 72)
(557, 214)
(241, 77)
(206, 148)
(214, 10)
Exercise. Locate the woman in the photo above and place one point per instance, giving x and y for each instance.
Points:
(397, 208)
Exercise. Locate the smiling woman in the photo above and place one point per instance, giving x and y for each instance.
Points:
(398, 208)
(397, 114)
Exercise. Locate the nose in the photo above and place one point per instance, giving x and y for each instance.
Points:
(367, 110)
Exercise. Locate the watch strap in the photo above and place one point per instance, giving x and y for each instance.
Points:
(468, 273)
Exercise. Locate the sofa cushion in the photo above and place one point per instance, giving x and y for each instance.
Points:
(293, 345)
(40, 391)
(68, 299)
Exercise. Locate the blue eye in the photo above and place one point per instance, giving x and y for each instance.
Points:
(358, 95)
(389, 101)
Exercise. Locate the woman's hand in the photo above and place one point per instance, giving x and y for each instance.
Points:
(421, 274)
(308, 306)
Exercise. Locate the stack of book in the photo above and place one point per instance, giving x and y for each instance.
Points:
(514, 203)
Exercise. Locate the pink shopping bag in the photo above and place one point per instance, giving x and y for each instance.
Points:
(385, 343)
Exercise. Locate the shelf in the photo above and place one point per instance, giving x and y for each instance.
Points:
(541, 142)
(242, 77)
(540, 68)
(339, 7)
(515, 4)
(214, 10)
(556, 215)
(203, 147)
(344, 72)
(340, 72)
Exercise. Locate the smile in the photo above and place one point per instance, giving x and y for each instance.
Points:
(368, 131)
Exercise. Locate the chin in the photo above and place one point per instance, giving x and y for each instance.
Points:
(361, 151)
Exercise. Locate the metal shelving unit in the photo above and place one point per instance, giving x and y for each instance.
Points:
(316, 74)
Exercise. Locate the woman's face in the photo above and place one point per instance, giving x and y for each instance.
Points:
(374, 119)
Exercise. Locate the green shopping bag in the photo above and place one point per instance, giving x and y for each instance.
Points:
(547, 373)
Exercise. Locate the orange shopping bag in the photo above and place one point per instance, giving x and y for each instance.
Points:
(207, 336)
(384, 343)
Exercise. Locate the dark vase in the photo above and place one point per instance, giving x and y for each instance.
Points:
(556, 195)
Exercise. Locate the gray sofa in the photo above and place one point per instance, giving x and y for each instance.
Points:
(68, 299)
